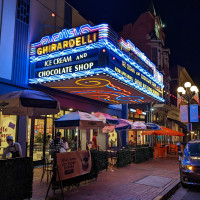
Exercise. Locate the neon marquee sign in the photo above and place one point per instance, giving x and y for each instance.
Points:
(86, 51)
(105, 37)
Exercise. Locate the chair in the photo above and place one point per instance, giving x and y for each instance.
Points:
(156, 152)
(165, 152)
(161, 152)
(173, 149)
(48, 168)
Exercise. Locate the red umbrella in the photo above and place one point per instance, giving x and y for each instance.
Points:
(163, 131)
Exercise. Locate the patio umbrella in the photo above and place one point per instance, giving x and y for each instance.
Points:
(168, 131)
(163, 131)
(139, 125)
(78, 120)
(106, 118)
(28, 103)
(152, 126)
(82, 120)
(123, 124)
(108, 129)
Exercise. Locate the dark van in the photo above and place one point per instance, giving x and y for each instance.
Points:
(190, 164)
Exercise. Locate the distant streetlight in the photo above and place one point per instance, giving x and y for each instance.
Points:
(188, 92)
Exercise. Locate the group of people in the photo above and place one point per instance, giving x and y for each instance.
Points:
(57, 145)
(60, 145)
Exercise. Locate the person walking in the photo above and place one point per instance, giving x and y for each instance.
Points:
(13, 147)
(94, 141)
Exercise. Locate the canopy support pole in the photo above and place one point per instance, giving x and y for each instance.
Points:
(77, 137)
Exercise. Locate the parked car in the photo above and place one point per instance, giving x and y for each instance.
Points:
(190, 164)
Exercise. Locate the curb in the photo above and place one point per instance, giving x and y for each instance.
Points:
(165, 194)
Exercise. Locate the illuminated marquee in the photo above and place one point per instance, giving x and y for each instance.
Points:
(94, 51)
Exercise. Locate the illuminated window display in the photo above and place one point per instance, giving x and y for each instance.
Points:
(7, 127)
(112, 139)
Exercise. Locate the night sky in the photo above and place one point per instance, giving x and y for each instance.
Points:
(182, 20)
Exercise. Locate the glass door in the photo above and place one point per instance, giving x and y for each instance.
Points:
(39, 132)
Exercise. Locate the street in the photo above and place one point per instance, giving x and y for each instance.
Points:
(190, 193)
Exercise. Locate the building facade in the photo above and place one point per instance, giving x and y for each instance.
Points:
(86, 67)
(147, 32)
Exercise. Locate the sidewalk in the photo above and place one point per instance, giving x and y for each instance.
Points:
(144, 181)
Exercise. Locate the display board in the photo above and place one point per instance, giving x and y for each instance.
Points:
(73, 164)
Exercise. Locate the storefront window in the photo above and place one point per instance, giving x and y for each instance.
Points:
(136, 116)
(7, 127)
(112, 139)
(142, 116)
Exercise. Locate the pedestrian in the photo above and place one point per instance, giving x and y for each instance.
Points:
(65, 145)
(94, 140)
(13, 147)
(56, 144)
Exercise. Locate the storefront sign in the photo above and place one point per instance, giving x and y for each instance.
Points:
(66, 69)
(139, 112)
(66, 44)
(72, 164)
(68, 59)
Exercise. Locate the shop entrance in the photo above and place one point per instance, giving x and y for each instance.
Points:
(40, 132)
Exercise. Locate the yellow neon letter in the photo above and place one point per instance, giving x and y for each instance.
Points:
(78, 41)
(72, 43)
(83, 40)
(65, 44)
(39, 51)
(45, 50)
(59, 46)
(53, 47)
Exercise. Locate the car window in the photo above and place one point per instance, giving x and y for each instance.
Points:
(194, 149)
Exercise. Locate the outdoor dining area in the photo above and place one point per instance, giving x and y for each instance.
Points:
(95, 159)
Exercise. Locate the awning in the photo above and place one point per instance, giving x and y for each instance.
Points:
(164, 131)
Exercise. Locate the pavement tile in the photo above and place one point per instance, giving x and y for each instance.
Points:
(116, 184)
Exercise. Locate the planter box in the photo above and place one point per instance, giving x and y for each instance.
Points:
(16, 178)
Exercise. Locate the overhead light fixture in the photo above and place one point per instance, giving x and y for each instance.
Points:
(71, 109)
